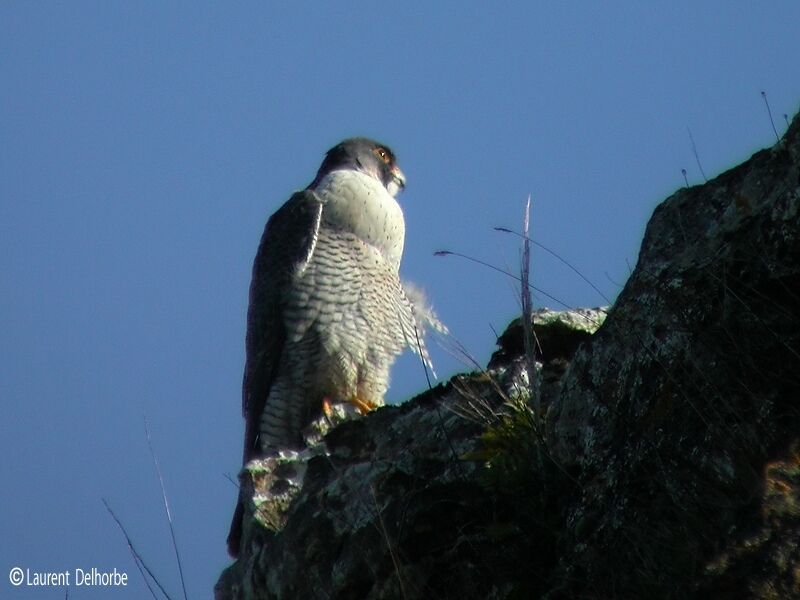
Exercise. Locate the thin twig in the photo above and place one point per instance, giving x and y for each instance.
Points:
(475, 260)
(499, 270)
(421, 354)
(769, 112)
(557, 256)
(697, 156)
(436, 406)
(459, 352)
(516, 278)
(527, 306)
(529, 339)
(616, 283)
(137, 558)
(166, 507)
(385, 533)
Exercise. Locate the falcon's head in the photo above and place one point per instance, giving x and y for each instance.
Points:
(366, 156)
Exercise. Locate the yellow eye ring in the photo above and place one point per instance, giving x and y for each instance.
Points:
(383, 155)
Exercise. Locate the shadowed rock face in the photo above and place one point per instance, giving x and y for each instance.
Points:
(669, 460)
(673, 411)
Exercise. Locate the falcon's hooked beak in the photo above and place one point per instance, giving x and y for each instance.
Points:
(397, 183)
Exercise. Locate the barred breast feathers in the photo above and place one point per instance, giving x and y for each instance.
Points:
(358, 203)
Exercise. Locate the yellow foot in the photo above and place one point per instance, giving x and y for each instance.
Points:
(363, 406)
(327, 409)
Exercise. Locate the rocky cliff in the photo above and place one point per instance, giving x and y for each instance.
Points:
(655, 455)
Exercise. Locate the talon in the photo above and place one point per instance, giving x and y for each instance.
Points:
(363, 406)
(327, 408)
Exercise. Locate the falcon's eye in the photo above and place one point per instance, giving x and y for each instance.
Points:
(383, 155)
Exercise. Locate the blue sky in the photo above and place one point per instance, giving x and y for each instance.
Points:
(145, 144)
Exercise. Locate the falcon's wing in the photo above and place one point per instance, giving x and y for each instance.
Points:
(285, 250)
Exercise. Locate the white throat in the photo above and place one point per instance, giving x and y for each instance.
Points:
(359, 203)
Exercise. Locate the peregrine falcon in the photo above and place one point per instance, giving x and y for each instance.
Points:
(328, 313)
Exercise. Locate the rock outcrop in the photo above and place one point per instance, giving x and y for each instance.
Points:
(661, 460)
